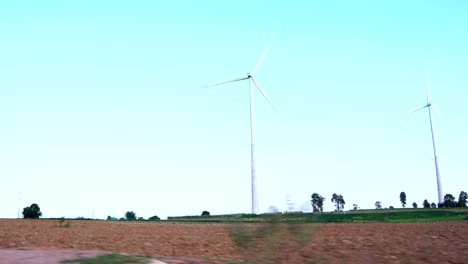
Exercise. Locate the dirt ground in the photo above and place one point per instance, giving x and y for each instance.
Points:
(436, 242)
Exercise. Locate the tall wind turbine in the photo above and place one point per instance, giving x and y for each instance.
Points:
(430, 108)
(250, 77)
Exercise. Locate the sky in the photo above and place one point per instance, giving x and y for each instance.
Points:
(102, 109)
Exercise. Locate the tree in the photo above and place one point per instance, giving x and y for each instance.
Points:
(110, 218)
(415, 205)
(449, 200)
(317, 202)
(205, 213)
(391, 207)
(130, 216)
(339, 201)
(462, 199)
(433, 205)
(403, 199)
(141, 218)
(426, 204)
(32, 212)
(378, 205)
(154, 218)
(355, 206)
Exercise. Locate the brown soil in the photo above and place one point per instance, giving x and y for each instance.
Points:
(438, 242)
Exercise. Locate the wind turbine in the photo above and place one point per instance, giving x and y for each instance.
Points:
(430, 109)
(251, 79)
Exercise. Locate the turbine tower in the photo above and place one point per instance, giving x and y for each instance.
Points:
(430, 109)
(250, 77)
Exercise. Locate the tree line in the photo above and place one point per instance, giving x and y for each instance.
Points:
(339, 202)
(34, 211)
(317, 202)
(131, 216)
(449, 201)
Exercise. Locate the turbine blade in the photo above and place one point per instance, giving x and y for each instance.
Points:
(268, 100)
(429, 157)
(409, 113)
(443, 117)
(233, 80)
(428, 86)
(265, 51)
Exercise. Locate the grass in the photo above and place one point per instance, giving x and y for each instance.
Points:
(430, 219)
(358, 216)
(111, 259)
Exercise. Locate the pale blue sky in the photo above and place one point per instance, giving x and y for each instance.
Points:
(101, 106)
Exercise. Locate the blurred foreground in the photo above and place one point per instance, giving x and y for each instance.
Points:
(270, 242)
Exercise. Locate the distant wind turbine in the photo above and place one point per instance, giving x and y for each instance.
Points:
(250, 77)
(430, 109)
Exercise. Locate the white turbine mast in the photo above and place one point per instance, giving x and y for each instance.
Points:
(430, 109)
(250, 77)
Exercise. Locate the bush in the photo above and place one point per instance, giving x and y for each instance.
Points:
(205, 213)
(378, 205)
(32, 212)
(154, 218)
(130, 216)
(462, 199)
(426, 204)
(449, 201)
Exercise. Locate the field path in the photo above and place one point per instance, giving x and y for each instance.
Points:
(38, 256)
(54, 256)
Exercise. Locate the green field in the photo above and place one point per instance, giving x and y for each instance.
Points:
(355, 216)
